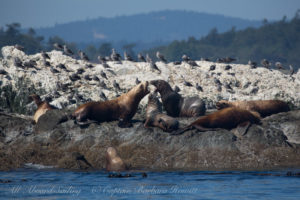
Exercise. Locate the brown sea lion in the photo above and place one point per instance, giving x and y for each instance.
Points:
(263, 107)
(113, 161)
(121, 108)
(42, 107)
(227, 118)
(155, 117)
(175, 104)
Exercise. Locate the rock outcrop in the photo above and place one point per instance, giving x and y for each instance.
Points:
(56, 141)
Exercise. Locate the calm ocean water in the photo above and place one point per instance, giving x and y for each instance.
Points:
(50, 184)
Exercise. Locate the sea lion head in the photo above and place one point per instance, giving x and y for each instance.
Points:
(36, 98)
(113, 161)
(142, 88)
(153, 102)
(222, 104)
(161, 85)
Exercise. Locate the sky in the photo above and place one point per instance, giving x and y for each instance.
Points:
(45, 13)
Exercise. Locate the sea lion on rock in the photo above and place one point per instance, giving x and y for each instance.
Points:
(155, 117)
(227, 118)
(121, 108)
(263, 107)
(175, 104)
(42, 107)
(113, 161)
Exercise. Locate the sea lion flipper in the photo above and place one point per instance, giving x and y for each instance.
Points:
(202, 129)
(242, 128)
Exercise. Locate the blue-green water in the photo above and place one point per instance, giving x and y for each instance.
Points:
(49, 184)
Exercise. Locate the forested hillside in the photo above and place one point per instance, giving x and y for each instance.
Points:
(277, 41)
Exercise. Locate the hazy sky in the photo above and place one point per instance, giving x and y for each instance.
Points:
(37, 13)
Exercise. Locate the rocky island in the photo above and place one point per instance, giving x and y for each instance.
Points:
(66, 82)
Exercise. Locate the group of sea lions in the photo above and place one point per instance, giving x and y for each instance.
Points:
(123, 108)
(229, 115)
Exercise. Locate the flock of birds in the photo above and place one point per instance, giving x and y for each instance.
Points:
(116, 57)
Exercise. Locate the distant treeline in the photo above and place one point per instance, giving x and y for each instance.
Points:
(32, 43)
(277, 41)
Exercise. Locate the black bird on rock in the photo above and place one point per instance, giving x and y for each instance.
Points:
(148, 59)
(161, 57)
(127, 57)
(279, 65)
(199, 88)
(102, 84)
(292, 71)
(103, 74)
(53, 70)
(95, 78)
(19, 47)
(185, 58)
(141, 57)
(115, 56)
(212, 67)
(102, 95)
(265, 63)
(68, 51)
(186, 83)
(252, 64)
(58, 46)
(18, 62)
(45, 55)
(83, 56)
(116, 85)
(74, 77)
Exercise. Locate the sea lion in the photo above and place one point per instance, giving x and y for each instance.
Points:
(155, 117)
(42, 107)
(227, 118)
(263, 107)
(121, 108)
(175, 104)
(113, 161)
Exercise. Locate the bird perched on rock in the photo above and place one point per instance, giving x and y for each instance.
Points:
(83, 56)
(177, 62)
(160, 57)
(74, 77)
(105, 65)
(102, 84)
(265, 63)
(30, 64)
(89, 65)
(68, 51)
(141, 57)
(227, 67)
(137, 81)
(53, 70)
(192, 63)
(101, 59)
(212, 67)
(199, 88)
(279, 65)
(19, 47)
(186, 83)
(292, 71)
(102, 95)
(18, 62)
(252, 64)
(95, 78)
(154, 66)
(80, 71)
(185, 58)
(127, 57)
(3, 72)
(116, 85)
(45, 55)
(148, 59)
(58, 46)
(103, 74)
(115, 56)
(217, 81)
(87, 77)
(228, 60)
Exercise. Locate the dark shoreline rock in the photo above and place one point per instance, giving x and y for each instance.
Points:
(56, 142)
